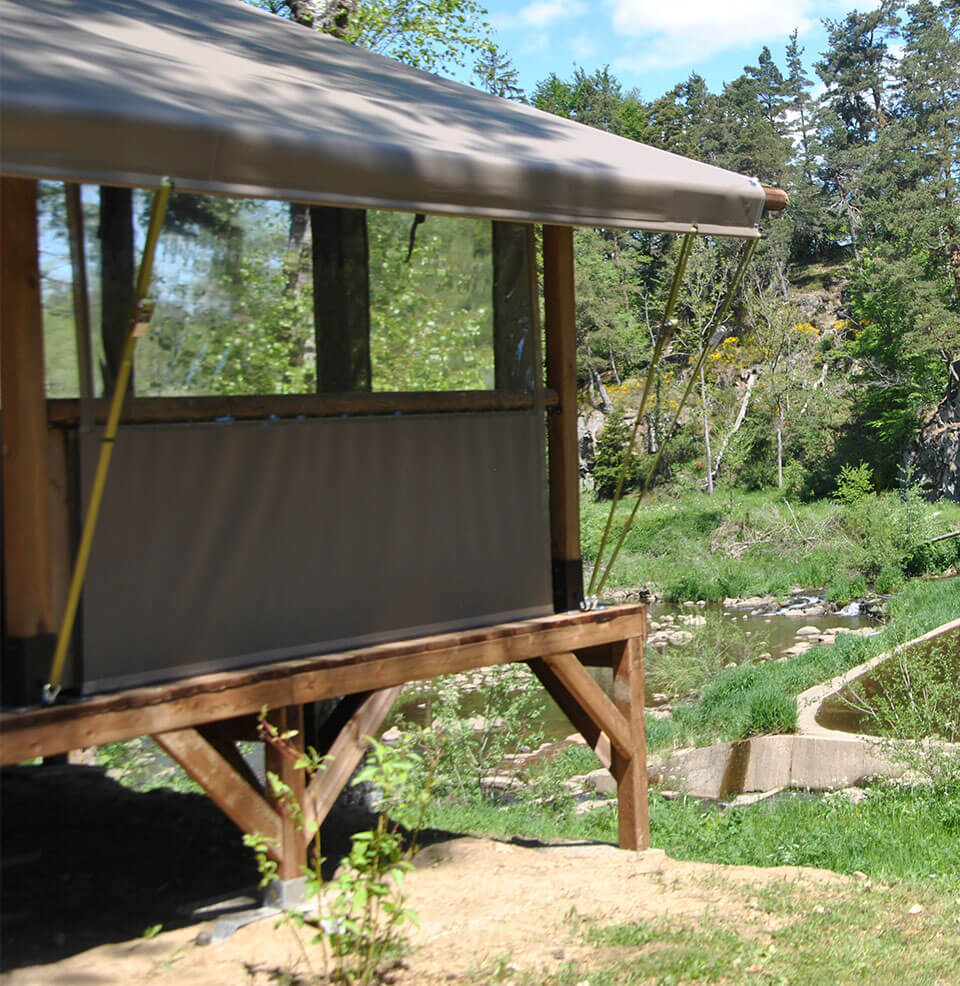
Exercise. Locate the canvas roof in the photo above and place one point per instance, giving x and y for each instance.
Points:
(227, 99)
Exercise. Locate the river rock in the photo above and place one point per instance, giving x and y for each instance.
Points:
(500, 784)
(808, 631)
(693, 621)
(600, 780)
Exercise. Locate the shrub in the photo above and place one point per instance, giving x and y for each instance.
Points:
(610, 451)
(854, 483)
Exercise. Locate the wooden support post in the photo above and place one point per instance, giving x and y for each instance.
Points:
(26, 522)
(341, 299)
(561, 357)
(346, 752)
(292, 854)
(631, 771)
(514, 297)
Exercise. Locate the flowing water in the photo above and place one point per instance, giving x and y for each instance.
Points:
(773, 630)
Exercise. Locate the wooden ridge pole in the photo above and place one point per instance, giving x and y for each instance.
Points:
(561, 357)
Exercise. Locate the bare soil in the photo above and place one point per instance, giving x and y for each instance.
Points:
(83, 877)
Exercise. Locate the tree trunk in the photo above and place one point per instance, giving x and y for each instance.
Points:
(295, 262)
(744, 404)
(779, 446)
(706, 432)
(341, 299)
(613, 364)
(606, 405)
(116, 278)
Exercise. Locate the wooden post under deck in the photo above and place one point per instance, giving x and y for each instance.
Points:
(561, 358)
(292, 851)
(26, 524)
(631, 772)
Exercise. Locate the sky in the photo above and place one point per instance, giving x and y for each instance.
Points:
(652, 45)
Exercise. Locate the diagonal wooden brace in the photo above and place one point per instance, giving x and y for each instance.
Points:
(592, 699)
(346, 752)
(598, 740)
(228, 787)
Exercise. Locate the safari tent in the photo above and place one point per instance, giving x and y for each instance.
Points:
(277, 550)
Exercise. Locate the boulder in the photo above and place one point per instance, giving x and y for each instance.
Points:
(933, 459)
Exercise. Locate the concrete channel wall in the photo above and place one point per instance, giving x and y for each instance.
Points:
(815, 758)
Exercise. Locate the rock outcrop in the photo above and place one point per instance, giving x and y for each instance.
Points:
(933, 460)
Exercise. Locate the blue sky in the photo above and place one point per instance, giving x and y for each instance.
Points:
(654, 44)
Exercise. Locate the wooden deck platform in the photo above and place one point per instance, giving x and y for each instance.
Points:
(198, 720)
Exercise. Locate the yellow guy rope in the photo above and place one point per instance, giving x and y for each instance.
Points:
(139, 321)
(667, 325)
(709, 343)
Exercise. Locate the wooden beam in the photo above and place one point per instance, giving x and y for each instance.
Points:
(341, 298)
(346, 752)
(592, 699)
(776, 199)
(292, 851)
(597, 740)
(561, 358)
(223, 695)
(28, 612)
(227, 788)
(153, 410)
(514, 298)
(630, 767)
(222, 737)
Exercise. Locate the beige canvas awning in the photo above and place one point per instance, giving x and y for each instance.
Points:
(227, 99)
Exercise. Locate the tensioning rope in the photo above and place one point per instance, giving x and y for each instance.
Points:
(711, 340)
(664, 335)
(139, 322)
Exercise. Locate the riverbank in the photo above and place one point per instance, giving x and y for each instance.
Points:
(695, 547)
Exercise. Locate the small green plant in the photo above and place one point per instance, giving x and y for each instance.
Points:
(854, 483)
(361, 915)
(913, 700)
(472, 733)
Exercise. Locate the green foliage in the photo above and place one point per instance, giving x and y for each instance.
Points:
(717, 644)
(611, 449)
(431, 318)
(913, 697)
(854, 483)
(769, 711)
(434, 35)
(473, 731)
(361, 916)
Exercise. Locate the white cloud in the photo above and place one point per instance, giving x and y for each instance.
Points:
(538, 15)
(691, 31)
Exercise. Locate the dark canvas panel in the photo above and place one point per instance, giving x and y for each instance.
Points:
(225, 545)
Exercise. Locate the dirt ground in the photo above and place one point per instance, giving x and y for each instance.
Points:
(87, 867)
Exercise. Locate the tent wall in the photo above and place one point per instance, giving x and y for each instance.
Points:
(233, 544)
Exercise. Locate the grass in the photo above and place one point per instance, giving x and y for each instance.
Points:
(734, 705)
(894, 833)
(698, 547)
(789, 934)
